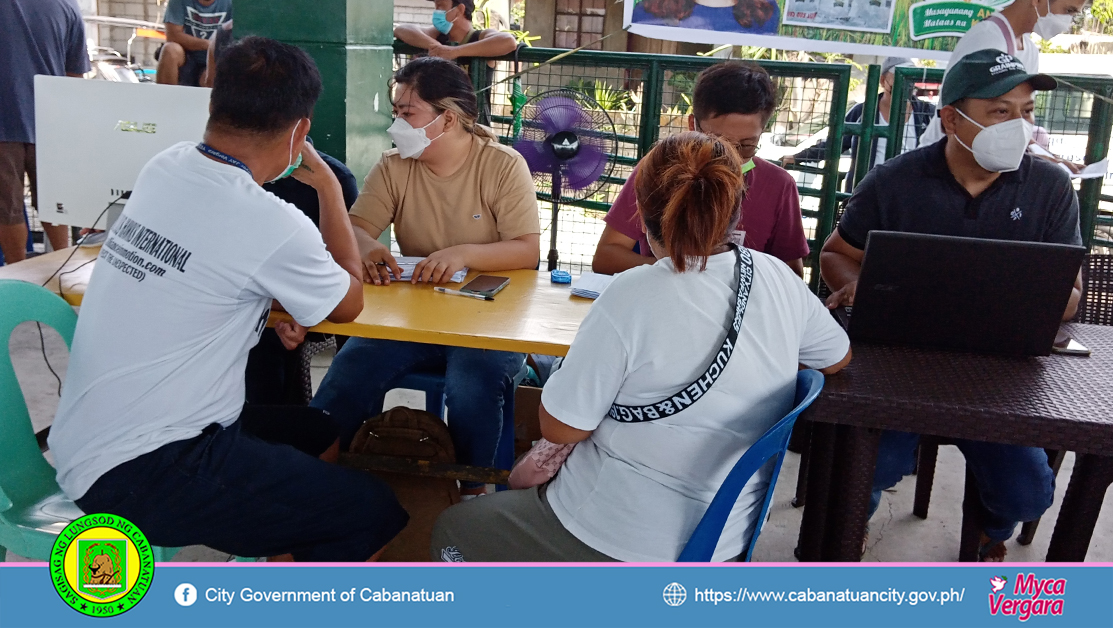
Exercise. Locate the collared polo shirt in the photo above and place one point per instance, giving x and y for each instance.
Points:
(916, 193)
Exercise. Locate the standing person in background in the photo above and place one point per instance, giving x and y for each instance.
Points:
(452, 36)
(734, 102)
(39, 37)
(918, 116)
(1007, 30)
(190, 24)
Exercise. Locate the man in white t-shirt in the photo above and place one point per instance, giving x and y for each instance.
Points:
(152, 424)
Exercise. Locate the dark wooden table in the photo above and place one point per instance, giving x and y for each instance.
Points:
(1055, 402)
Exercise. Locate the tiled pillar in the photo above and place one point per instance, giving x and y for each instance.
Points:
(351, 41)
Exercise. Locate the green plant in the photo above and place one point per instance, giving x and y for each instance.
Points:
(524, 37)
(683, 82)
(683, 108)
(1101, 17)
(756, 53)
(518, 12)
(609, 98)
(713, 51)
(1047, 47)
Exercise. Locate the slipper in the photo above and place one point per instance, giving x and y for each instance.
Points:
(990, 551)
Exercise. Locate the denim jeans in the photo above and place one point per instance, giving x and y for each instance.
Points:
(475, 384)
(1016, 483)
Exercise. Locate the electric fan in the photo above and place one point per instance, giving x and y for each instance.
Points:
(569, 143)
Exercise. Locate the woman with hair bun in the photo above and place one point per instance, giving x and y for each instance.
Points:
(638, 480)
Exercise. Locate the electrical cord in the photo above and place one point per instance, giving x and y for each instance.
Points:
(57, 272)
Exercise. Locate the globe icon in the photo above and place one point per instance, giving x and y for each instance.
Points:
(675, 594)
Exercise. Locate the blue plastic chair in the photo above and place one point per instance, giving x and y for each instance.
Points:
(701, 545)
(33, 509)
(432, 384)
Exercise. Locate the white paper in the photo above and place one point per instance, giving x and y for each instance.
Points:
(591, 285)
(407, 264)
(1093, 171)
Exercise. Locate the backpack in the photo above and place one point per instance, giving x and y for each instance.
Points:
(414, 435)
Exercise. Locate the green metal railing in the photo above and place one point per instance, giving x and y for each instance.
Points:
(644, 94)
(653, 90)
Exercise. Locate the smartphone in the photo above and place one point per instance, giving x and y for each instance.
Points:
(486, 285)
(1066, 345)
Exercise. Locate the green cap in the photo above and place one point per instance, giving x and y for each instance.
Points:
(988, 74)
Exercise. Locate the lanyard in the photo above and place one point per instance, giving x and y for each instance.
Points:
(219, 156)
(692, 392)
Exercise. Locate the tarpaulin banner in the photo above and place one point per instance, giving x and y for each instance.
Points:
(926, 29)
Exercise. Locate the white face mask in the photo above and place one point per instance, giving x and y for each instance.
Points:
(411, 142)
(1052, 24)
(1000, 147)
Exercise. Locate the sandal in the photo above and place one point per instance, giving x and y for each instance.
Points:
(990, 551)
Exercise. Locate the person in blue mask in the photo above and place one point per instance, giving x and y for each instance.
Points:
(452, 36)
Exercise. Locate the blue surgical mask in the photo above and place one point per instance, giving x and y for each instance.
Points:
(440, 22)
(293, 164)
(289, 169)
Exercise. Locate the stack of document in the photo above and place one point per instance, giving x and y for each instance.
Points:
(591, 285)
(407, 264)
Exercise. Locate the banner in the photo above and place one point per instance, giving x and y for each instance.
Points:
(289, 595)
(924, 29)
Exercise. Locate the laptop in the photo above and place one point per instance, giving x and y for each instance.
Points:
(969, 294)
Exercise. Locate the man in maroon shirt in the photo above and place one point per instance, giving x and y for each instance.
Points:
(733, 101)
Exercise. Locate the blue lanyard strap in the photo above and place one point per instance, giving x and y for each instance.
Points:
(219, 156)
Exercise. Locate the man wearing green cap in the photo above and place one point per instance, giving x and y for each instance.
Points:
(979, 182)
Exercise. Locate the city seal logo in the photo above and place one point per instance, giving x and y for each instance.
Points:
(101, 565)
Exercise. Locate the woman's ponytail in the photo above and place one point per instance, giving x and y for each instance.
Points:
(689, 189)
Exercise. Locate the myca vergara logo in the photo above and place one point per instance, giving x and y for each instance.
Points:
(1030, 597)
(101, 565)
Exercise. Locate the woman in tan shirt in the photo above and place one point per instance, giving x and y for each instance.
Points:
(459, 199)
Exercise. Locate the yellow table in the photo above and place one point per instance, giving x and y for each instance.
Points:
(530, 315)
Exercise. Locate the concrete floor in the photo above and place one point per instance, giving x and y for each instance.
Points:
(895, 534)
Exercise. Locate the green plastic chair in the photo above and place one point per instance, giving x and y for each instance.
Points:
(33, 509)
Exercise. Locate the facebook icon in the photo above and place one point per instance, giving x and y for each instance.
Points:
(185, 594)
